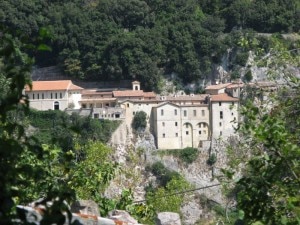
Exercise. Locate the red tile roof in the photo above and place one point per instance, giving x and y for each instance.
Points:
(129, 93)
(217, 86)
(223, 98)
(235, 85)
(54, 85)
(149, 94)
(187, 97)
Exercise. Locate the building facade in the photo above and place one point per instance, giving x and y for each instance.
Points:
(176, 121)
(53, 95)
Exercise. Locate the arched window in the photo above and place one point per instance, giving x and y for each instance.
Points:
(56, 105)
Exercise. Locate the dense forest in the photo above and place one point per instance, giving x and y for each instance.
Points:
(144, 39)
(53, 155)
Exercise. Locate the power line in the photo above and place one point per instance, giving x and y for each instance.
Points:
(182, 192)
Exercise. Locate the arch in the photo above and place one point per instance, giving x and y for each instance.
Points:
(56, 105)
(203, 130)
(187, 135)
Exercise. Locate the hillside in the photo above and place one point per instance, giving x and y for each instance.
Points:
(146, 39)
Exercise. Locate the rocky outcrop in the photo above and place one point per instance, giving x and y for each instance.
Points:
(168, 218)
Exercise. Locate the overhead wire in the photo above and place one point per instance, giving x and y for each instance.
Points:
(182, 192)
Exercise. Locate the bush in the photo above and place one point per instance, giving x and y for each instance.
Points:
(188, 155)
(212, 159)
(162, 174)
(139, 120)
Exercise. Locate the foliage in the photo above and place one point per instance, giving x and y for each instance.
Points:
(24, 170)
(143, 39)
(90, 174)
(268, 193)
(57, 127)
(212, 159)
(188, 155)
(168, 199)
(139, 120)
(162, 174)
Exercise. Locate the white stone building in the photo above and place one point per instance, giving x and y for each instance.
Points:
(176, 121)
(55, 95)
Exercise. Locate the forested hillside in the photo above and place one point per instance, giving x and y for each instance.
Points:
(144, 39)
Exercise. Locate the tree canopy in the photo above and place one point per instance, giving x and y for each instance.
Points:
(142, 39)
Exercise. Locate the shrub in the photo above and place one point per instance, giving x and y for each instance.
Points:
(188, 155)
(212, 159)
(139, 120)
(162, 174)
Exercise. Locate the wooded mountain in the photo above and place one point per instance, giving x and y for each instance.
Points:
(143, 39)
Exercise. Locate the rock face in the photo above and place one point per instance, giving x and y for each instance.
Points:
(168, 218)
(121, 215)
(86, 207)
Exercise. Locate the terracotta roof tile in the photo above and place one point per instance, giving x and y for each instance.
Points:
(236, 85)
(149, 94)
(129, 93)
(217, 86)
(54, 85)
(223, 98)
(187, 98)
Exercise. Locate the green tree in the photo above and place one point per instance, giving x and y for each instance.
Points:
(139, 120)
(21, 156)
(268, 188)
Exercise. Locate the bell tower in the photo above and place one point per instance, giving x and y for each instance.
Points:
(136, 85)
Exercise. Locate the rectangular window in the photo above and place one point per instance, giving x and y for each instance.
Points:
(220, 103)
(51, 95)
(195, 113)
(55, 95)
(220, 124)
(96, 115)
(32, 96)
(176, 124)
(164, 135)
(220, 133)
(133, 113)
(221, 115)
(38, 96)
(161, 112)
(176, 134)
(43, 96)
(175, 112)
(163, 124)
(187, 133)
(184, 113)
(203, 113)
(199, 131)
(60, 95)
(232, 103)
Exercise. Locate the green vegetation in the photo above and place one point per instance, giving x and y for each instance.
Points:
(268, 188)
(139, 120)
(165, 196)
(212, 159)
(187, 155)
(59, 128)
(143, 39)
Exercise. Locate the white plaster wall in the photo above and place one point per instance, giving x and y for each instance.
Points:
(166, 128)
(46, 104)
(43, 101)
(74, 99)
(223, 128)
(194, 117)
